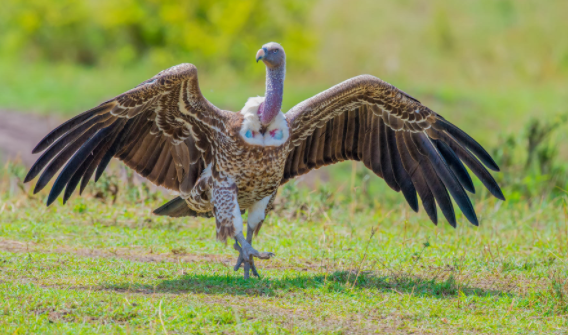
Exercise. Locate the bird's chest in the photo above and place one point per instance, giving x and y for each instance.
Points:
(254, 156)
(257, 170)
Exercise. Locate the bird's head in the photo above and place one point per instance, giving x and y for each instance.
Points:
(272, 54)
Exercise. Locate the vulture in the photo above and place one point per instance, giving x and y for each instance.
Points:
(222, 164)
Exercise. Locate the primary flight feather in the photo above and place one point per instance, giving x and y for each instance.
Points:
(223, 164)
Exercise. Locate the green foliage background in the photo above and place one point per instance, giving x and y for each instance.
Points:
(496, 68)
(95, 32)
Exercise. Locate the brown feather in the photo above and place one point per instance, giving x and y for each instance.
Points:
(160, 165)
(350, 134)
(298, 156)
(313, 149)
(385, 157)
(164, 173)
(183, 153)
(306, 155)
(367, 153)
(338, 143)
(320, 161)
(362, 114)
(375, 146)
(328, 147)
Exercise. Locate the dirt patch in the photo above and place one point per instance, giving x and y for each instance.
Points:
(129, 254)
(20, 132)
(138, 255)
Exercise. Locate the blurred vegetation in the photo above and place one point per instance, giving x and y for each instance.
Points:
(496, 68)
(121, 32)
(491, 64)
(533, 167)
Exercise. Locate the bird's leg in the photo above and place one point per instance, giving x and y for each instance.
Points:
(229, 222)
(247, 252)
(257, 213)
(250, 265)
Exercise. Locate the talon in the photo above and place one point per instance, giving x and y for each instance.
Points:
(247, 269)
(246, 256)
(266, 255)
(254, 272)
(239, 262)
(250, 267)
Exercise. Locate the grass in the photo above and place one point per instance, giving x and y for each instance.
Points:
(344, 265)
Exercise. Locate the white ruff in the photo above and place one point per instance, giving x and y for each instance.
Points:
(237, 219)
(257, 212)
(252, 122)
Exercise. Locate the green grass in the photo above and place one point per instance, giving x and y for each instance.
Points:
(343, 266)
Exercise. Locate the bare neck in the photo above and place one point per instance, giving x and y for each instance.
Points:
(274, 92)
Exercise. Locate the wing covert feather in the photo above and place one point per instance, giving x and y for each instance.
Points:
(415, 150)
(162, 128)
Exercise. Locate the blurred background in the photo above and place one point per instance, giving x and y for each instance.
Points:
(496, 68)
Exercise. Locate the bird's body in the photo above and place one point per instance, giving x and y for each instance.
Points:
(223, 163)
(254, 162)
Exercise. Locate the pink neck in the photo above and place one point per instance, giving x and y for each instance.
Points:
(274, 92)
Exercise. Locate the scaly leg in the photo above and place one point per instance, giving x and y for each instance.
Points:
(246, 253)
(256, 216)
(250, 265)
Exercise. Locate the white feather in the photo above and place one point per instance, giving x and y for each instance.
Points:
(257, 212)
(279, 122)
(251, 123)
(237, 219)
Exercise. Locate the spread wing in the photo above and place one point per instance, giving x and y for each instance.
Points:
(162, 129)
(412, 148)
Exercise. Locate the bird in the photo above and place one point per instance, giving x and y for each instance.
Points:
(222, 164)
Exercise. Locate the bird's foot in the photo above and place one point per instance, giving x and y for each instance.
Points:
(246, 256)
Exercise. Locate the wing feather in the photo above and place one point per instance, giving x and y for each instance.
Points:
(401, 176)
(320, 158)
(385, 161)
(415, 150)
(375, 147)
(162, 129)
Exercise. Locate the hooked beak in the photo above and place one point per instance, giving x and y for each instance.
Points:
(260, 54)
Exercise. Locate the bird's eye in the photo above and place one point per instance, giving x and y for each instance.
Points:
(275, 51)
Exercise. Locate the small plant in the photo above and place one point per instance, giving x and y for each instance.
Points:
(531, 162)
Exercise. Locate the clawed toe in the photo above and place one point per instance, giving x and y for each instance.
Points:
(249, 252)
(246, 258)
(265, 255)
(240, 260)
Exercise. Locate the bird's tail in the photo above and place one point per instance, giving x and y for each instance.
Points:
(177, 208)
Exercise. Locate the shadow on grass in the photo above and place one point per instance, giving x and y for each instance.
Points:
(337, 282)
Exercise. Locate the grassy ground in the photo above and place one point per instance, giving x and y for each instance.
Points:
(343, 265)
